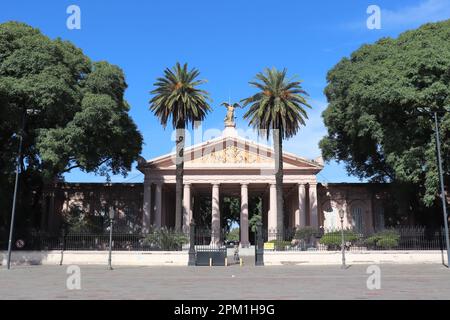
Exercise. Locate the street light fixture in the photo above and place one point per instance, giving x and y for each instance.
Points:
(16, 183)
(341, 215)
(111, 220)
(441, 176)
(441, 180)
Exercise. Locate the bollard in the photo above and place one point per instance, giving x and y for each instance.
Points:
(241, 262)
(210, 262)
(226, 262)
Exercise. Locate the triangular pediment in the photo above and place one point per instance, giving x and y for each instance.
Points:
(231, 152)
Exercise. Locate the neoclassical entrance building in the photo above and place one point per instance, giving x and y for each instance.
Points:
(230, 165)
(226, 166)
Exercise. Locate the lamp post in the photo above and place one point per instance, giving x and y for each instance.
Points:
(111, 220)
(441, 180)
(441, 176)
(16, 183)
(341, 215)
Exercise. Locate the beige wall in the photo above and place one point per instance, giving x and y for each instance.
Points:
(92, 197)
(354, 199)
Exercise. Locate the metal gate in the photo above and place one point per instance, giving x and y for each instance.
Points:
(207, 249)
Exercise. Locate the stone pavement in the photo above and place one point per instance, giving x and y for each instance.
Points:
(233, 282)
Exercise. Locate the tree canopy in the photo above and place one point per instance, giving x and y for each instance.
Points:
(176, 96)
(278, 108)
(379, 117)
(279, 104)
(79, 117)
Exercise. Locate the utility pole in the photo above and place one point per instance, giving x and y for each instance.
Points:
(441, 180)
(13, 211)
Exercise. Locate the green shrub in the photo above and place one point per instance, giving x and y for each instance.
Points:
(384, 239)
(371, 241)
(387, 243)
(305, 233)
(165, 239)
(333, 240)
(233, 235)
(280, 245)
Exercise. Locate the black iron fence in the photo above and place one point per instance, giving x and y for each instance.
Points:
(400, 238)
(158, 240)
(205, 237)
(305, 239)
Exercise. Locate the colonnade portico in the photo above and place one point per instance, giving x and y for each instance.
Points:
(231, 164)
(156, 213)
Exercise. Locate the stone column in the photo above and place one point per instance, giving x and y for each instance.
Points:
(187, 215)
(244, 216)
(273, 214)
(147, 212)
(215, 216)
(313, 218)
(158, 205)
(300, 218)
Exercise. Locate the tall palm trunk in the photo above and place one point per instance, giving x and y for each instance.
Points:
(278, 148)
(180, 136)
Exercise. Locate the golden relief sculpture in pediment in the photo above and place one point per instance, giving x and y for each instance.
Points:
(231, 154)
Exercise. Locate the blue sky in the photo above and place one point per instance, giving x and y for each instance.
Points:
(229, 41)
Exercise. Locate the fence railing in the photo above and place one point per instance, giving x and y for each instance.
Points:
(400, 238)
(161, 240)
(206, 239)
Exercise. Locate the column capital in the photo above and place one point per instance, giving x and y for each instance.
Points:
(244, 184)
(216, 185)
(187, 184)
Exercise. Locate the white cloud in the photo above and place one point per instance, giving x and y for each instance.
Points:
(425, 11)
(411, 16)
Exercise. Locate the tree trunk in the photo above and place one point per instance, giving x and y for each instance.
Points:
(180, 136)
(278, 148)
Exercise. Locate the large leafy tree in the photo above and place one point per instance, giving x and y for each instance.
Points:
(177, 99)
(78, 119)
(381, 100)
(278, 108)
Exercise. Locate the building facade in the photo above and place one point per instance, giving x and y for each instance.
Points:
(227, 166)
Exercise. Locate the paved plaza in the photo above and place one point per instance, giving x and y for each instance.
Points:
(233, 282)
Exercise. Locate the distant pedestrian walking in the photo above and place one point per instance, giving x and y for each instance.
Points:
(236, 253)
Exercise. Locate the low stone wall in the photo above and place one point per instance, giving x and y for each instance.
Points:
(369, 257)
(119, 258)
(180, 258)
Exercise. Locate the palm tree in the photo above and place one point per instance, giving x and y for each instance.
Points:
(176, 98)
(277, 108)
